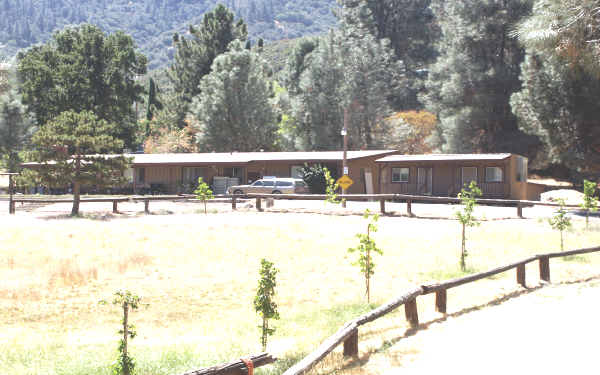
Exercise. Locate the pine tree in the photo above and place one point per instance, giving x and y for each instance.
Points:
(469, 86)
(72, 150)
(233, 108)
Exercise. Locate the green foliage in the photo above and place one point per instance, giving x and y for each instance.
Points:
(468, 197)
(366, 247)
(125, 365)
(203, 192)
(590, 202)
(560, 221)
(73, 149)
(234, 109)
(557, 104)
(16, 125)
(264, 304)
(315, 177)
(470, 84)
(81, 69)
(331, 188)
(412, 33)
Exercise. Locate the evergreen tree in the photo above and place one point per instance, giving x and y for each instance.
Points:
(410, 27)
(194, 56)
(152, 103)
(72, 150)
(15, 127)
(469, 86)
(559, 104)
(233, 108)
(81, 69)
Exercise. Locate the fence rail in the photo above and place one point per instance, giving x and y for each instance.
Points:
(348, 334)
(382, 198)
(239, 367)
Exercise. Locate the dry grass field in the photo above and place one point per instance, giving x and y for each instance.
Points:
(198, 273)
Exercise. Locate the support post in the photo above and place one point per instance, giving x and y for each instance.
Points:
(258, 205)
(147, 206)
(440, 301)
(521, 275)
(115, 208)
(233, 203)
(520, 210)
(545, 269)
(412, 315)
(351, 344)
(11, 202)
(409, 207)
(382, 206)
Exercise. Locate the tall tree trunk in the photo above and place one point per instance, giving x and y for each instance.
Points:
(463, 249)
(125, 366)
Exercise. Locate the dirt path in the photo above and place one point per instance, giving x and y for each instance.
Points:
(553, 330)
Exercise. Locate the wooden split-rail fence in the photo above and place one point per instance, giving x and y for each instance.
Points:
(348, 334)
(235, 199)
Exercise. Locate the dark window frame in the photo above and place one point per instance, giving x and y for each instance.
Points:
(400, 182)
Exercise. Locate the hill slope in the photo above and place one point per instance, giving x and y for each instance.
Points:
(153, 22)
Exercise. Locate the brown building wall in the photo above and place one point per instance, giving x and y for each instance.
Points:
(447, 178)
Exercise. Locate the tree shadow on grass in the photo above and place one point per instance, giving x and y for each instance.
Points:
(105, 216)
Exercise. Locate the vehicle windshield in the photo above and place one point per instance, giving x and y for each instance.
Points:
(257, 183)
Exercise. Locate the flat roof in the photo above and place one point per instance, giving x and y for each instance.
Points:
(246, 157)
(442, 157)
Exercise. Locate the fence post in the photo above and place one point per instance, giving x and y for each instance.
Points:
(520, 210)
(382, 206)
(411, 312)
(351, 344)
(233, 203)
(545, 268)
(409, 207)
(521, 275)
(258, 204)
(146, 206)
(115, 209)
(440, 301)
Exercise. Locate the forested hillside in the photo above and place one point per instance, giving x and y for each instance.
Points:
(152, 23)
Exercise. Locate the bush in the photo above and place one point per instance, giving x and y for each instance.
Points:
(314, 176)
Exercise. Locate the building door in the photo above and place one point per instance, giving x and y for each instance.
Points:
(368, 181)
(424, 181)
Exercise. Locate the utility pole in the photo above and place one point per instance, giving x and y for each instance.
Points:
(345, 160)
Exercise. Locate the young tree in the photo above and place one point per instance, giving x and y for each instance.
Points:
(203, 192)
(264, 304)
(560, 221)
(72, 149)
(468, 198)
(364, 249)
(470, 84)
(81, 69)
(233, 108)
(590, 202)
(331, 187)
(128, 302)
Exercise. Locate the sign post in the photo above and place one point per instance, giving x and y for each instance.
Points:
(11, 203)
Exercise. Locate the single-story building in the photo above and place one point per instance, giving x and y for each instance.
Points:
(174, 173)
(497, 175)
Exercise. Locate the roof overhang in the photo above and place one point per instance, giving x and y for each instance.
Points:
(442, 158)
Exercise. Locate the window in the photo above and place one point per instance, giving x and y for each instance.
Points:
(141, 175)
(233, 172)
(258, 183)
(400, 174)
(493, 174)
(469, 174)
(285, 183)
(269, 183)
(296, 171)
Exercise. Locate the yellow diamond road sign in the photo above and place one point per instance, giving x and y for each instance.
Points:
(344, 182)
